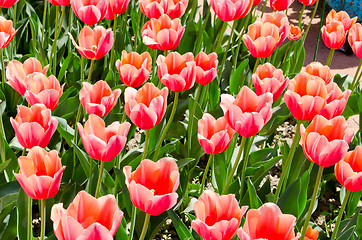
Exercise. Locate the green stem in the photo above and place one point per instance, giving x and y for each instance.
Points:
(237, 160)
(90, 178)
(245, 163)
(191, 117)
(319, 30)
(205, 172)
(145, 226)
(99, 179)
(146, 144)
(311, 19)
(193, 10)
(262, 13)
(221, 34)
(173, 111)
(44, 19)
(256, 65)
(314, 196)
(300, 16)
(354, 82)
(14, 25)
(2, 68)
(239, 44)
(286, 52)
(82, 70)
(221, 66)
(113, 51)
(201, 32)
(29, 222)
(90, 71)
(330, 56)
(42, 216)
(70, 21)
(340, 214)
(133, 222)
(124, 116)
(52, 51)
(136, 28)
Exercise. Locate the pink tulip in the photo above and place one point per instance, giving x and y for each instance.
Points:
(355, 39)
(280, 5)
(147, 106)
(152, 186)
(206, 67)
(217, 217)
(7, 32)
(317, 69)
(229, 10)
(334, 34)
(116, 7)
(214, 135)
(280, 20)
(177, 72)
(90, 11)
(248, 113)
(335, 102)
(94, 44)
(103, 143)
(7, 3)
(87, 218)
(40, 173)
(342, 17)
(60, 2)
(16, 73)
(98, 99)
(34, 126)
(155, 8)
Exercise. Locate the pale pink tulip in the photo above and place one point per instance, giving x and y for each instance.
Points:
(90, 11)
(229, 10)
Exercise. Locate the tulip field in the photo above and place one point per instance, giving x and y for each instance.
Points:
(164, 119)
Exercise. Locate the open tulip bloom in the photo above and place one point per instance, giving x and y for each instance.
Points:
(90, 11)
(155, 8)
(7, 32)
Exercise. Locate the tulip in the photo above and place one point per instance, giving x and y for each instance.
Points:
(214, 135)
(280, 20)
(267, 222)
(60, 2)
(307, 2)
(7, 32)
(349, 170)
(162, 33)
(269, 79)
(280, 5)
(310, 234)
(94, 44)
(248, 113)
(217, 217)
(98, 99)
(34, 126)
(261, 39)
(306, 96)
(134, 69)
(295, 33)
(147, 106)
(152, 186)
(16, 72)
(90, 12)
(355, 39)
(342, 17)
(116, 7)
(100, 142)
(156, 8)
(335, 102)
(256, 2)
(87, 218)
(43, 89)
(229, 10)
(317, 69)
(7, 3)
(206, 67)
(334, 34)
(40, 173)
(325, 142)
(177, 72)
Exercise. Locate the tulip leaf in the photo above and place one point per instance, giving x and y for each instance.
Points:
(214, 94)
(4, 165)
(188, 40)
(352, 106)
(22, 210)
(83, 158)
(280, 114)
(347, 234)
(255, 201)
(65, 130)
(8, 193)
(181, 229)
(238, 76)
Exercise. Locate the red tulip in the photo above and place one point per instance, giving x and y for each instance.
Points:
(307, 2)
(116, 7)
(295, 33)
(355, 39)
(134, 69)
(162, 33)
(248, 113)
(280, 5)
(155, 8)
(325, 142)
(152, 186)
(334, 34)
(98, 99)
(317, 69)
(342, 17)
(256, 2)
(7, 3)
(335, 102)
(147, 106)
(206, 67)
(94, 44)
(261, 39)
(177, 72)
(267, 222)
(214, 135)
(269, 79)
(34, 126)
(229, 10)
(7, 32)
(60, 2)
(103, 143)
(217, 217)
(87, 218)
(280, 20)
(90, 11)
(16, 73)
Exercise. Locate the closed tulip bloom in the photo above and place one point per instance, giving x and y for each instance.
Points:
(206, 67)
(267, 222)
(134, 69)
(94, 44)
(229, 10)
(7, 32)
(325, 142)
(40, 173)
(147, 106)
(335, 102)
(98, 99)
(16, 73)
(355, 39)
(60, 2)
(280, 5)
(155, 8)
(261, 39)
(269, 79)
(162, 33)
(280, 20)
(217, 217)
(334, 34)
(342, 17)
(34, 126)
(177, 72)
(214, 135)
(87, 218)
(103, 143)
(116, 7)
(152, 186)
(295, 33)
(7, 3)
(319, 70)
(306, 96)
(349, 170)
(307, 2)
(90, 11)
(248, 113)
(310, 234)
